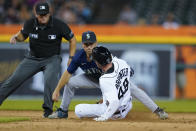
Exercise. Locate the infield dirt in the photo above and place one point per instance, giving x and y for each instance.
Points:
(135, 121)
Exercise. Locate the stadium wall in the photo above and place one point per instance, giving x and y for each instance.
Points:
(154, 35)
(184, 35)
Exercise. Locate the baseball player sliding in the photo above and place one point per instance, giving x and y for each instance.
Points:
(115, 88)
(90, 79)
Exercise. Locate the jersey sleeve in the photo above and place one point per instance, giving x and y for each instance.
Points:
(26, 29)
(110, 94)
(73, 65)
(66, 32)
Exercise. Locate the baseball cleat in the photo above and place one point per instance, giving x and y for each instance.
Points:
(60, 113)
(161, 113)
(47, 113)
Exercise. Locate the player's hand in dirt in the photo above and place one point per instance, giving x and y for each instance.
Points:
(55, 95)
(101, 118)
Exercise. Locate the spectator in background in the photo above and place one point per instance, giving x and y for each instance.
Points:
(11, 16)
(155, 20)
(141, 22)
(170, 22)
(70, 11)
(75, 12)
(24, 14)
(30, 3)
(127, 16)
(11, 8)
(66, 14)
(16, 4)
(84, 13)
(180, 72)
(69, 16)
(1, 11)
(57, 4)
(10, 3)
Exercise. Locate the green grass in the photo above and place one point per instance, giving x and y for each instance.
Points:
(36, 105)
(13, 119)
(169, 106)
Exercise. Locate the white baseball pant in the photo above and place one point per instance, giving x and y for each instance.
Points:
(96, 110)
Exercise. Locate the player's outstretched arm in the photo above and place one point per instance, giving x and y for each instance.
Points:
(62, 82)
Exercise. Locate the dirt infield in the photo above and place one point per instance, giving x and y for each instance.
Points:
(135, 121)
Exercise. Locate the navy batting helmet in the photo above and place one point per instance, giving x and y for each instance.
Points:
(102, 55)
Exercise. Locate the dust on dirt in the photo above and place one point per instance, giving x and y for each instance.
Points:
(135, 121)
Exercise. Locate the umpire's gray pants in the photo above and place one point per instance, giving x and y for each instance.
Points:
(75, 82)
(26, 69)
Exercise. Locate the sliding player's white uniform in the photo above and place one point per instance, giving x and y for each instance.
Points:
(115, 89)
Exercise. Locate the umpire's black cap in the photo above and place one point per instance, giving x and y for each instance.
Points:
(89, 37)
(42, 8)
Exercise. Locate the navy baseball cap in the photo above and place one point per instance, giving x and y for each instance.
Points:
(88, 37)
(42, 8)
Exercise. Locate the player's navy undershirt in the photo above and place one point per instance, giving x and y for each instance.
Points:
(80, 60)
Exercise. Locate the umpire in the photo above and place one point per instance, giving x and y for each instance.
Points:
(45, 34)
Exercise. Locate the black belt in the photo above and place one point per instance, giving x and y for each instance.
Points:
(118, 112)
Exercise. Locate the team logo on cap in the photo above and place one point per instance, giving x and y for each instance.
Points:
(87, 36)
(42, 7)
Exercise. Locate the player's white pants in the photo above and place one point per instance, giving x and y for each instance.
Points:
(96, 110)
(82, 81)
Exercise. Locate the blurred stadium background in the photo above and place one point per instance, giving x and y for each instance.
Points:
(156, 37)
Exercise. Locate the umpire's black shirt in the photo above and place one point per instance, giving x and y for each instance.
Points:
(45, 40)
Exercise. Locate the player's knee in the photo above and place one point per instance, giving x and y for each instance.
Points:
(78, 111)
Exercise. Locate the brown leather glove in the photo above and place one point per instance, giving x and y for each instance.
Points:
(100, 101)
